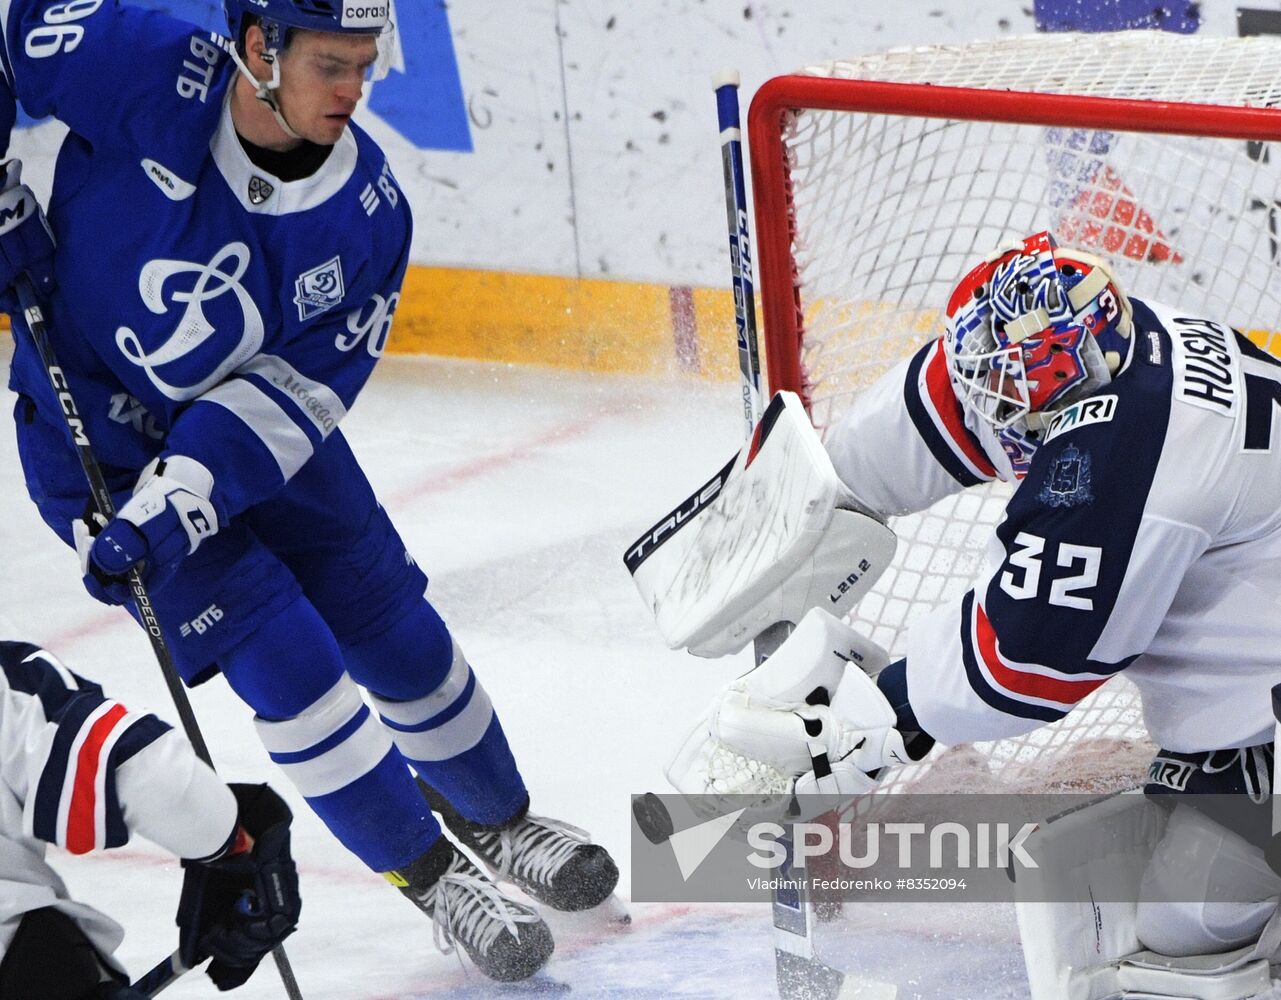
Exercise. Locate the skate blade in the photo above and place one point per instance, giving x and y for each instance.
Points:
(538, 985)
(609, 917)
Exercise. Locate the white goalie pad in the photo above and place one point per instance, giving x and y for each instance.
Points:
(1090, 950)
(765, 540)
(1068, 944)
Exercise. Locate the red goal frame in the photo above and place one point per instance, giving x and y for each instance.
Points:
(781, 308)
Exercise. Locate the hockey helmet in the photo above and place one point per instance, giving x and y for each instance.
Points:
(359, 17)
(1033, 328)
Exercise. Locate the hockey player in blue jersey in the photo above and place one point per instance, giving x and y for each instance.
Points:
(81, 771)
(230, 250)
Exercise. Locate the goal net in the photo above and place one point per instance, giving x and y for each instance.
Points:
(880, 181)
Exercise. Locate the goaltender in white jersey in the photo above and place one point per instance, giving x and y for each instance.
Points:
(1143, 535)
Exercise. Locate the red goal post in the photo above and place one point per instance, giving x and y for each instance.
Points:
(879, 181)
(781, 308)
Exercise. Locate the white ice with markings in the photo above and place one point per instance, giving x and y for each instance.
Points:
(517, 489)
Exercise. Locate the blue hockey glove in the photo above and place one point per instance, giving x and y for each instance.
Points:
(26, 241)
(108, 590)
(238, 907)
(167, 518)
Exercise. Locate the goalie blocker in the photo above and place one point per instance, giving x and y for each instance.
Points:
(772, 535)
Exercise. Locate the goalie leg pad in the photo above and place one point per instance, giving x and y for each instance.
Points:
(1091, 950)
(1069, 946)
(1205, 890)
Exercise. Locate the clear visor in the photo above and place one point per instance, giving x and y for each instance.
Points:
(390, 56)
(992, 384)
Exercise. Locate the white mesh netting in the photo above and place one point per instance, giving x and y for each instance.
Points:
(891, 210)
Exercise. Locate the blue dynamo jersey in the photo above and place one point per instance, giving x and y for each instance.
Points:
(204, 306)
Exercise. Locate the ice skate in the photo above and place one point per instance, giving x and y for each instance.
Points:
(555, 863)
(507, 940)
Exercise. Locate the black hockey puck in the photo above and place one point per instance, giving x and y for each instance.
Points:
(652, 817)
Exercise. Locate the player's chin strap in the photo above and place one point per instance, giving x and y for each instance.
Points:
(265, 90)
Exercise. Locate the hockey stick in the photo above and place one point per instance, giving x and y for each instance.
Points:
(799, 971)
(34, 315)
(1273, 851)
(725, 83)
(165, 974)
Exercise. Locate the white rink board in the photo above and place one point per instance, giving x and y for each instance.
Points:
(631, 187)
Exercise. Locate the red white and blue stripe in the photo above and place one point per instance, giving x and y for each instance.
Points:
(937, 415)
(74, 804)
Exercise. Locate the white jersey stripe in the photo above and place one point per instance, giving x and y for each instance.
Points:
(318, 403)
(287, 442)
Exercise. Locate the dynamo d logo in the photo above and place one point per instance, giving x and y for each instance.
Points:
(199, 284)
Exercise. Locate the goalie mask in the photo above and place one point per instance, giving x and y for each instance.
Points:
(1033, 328)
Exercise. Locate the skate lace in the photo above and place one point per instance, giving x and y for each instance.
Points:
(467, 905)
(536, 848)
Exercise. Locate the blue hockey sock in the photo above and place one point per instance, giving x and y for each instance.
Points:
(440, 716)
(455, 741)
(328, 742)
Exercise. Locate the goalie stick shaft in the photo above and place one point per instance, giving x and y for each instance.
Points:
(740, 245)
(799, 971)
(33, 313)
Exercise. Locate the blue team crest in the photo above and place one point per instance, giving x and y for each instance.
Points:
(1068, 484)
(319, 289)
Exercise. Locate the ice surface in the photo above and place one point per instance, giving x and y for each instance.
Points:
(517, 490)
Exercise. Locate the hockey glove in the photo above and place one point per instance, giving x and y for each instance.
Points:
(167, 518)
(238, 907)
(108, 590)
(26, 241)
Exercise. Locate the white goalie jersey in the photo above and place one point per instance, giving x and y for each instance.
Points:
(1144, 536)
(81, 771)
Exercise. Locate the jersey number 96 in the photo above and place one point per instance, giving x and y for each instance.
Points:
(59, 33)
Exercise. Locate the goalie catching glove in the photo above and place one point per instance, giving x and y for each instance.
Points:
(811, 712)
